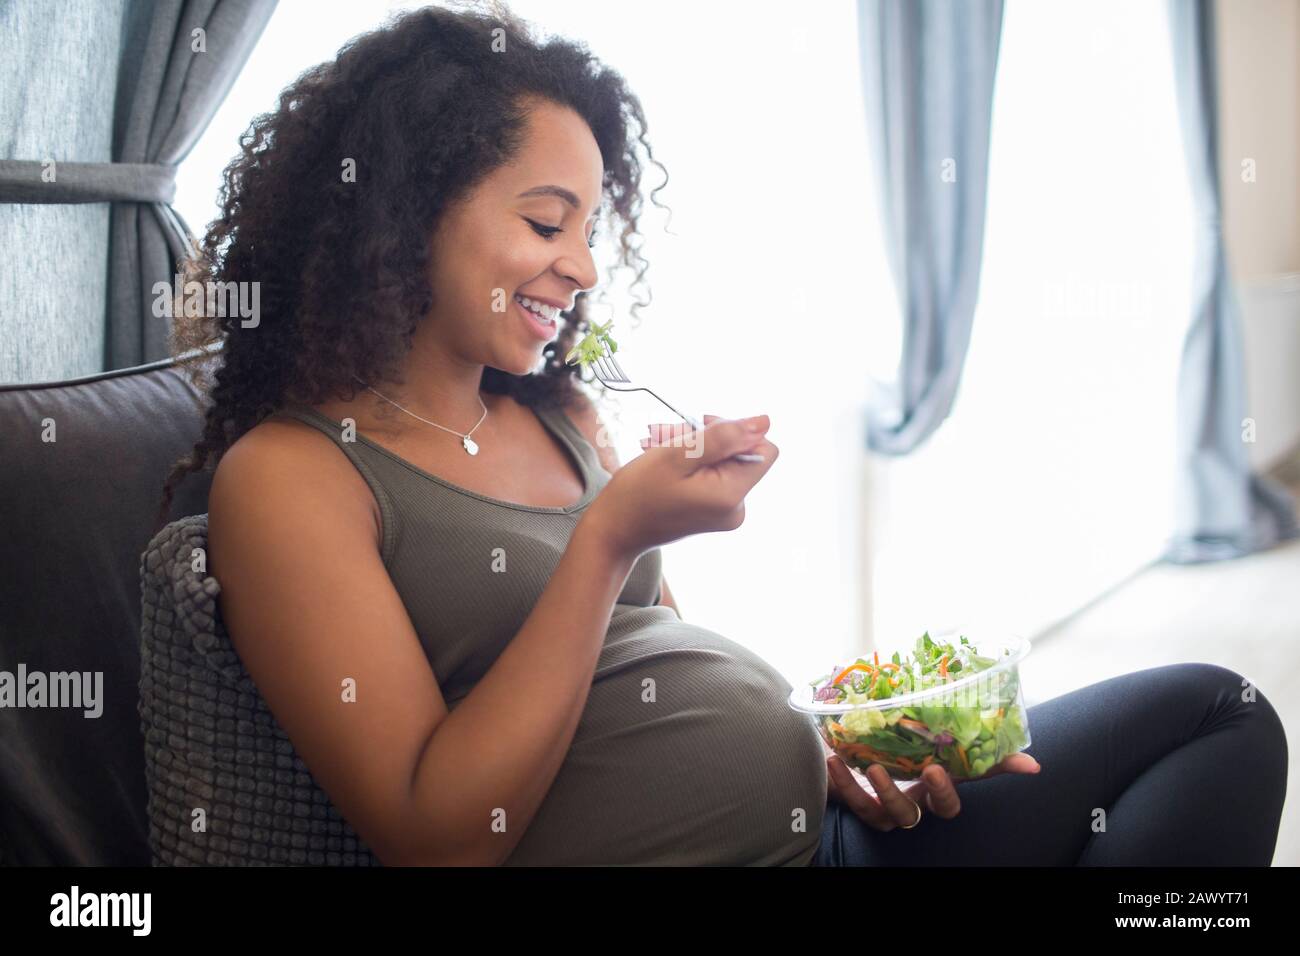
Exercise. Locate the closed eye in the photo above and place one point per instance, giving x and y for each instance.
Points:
(549, 232)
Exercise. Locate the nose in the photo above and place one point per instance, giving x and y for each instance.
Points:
(577, 265)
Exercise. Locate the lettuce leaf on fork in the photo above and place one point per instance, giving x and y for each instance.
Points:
(593, 345)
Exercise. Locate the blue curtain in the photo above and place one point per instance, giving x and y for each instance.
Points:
(927, 77)
(116, 93)
(1223, 510)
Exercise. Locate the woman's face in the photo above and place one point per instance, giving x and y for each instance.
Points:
(493, 248)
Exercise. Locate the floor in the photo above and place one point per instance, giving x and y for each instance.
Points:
(1242, 614)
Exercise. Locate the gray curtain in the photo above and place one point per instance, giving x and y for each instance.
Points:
(110, 201)
(927, 71)
(1222, 509)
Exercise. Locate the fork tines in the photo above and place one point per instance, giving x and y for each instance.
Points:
(610, 370)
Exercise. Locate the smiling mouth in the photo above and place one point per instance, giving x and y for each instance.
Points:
(542, 327)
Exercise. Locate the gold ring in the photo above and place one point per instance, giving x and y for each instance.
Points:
(918, 816)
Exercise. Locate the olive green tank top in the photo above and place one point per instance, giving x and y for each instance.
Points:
(686, 752)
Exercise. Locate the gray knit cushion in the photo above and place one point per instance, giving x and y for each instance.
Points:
(211, 742)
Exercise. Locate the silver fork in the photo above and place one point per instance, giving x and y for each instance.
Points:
(611, 374)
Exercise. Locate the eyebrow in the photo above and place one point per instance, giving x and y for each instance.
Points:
(550, 190)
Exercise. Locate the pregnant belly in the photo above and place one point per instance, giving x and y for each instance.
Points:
(686, 754)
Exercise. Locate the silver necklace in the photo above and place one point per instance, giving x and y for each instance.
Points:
(470, 445)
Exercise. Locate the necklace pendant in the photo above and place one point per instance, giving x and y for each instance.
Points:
(471, 446)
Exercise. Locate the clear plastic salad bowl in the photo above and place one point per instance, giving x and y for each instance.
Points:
(946, 702)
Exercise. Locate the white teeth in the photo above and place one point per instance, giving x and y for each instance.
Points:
(546, 313)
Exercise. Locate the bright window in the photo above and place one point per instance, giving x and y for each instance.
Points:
(1051, 481)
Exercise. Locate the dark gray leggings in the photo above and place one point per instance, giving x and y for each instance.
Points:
(1187, 772)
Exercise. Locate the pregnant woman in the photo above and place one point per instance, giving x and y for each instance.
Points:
(414, 499)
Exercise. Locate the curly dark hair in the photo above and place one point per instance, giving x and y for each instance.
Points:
(433, 108)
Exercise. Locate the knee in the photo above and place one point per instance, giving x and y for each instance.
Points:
(1239, 699)
(1215, 681)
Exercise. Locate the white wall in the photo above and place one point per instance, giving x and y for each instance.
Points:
(1270, 320)
(1259, 108)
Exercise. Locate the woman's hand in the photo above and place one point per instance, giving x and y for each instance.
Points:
(686, 486)
(665, 433)
(891, 807)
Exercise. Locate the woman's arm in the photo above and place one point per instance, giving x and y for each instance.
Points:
(314, 616)
(583, 415)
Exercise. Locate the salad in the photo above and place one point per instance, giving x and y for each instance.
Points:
(967, 729)
(593, 345)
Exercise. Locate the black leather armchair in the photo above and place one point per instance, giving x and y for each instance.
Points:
(76, 513)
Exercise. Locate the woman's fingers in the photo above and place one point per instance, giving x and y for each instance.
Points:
(900, 807)
(1019, 763)
(936, 792)
(665, 433)
(864, 806)
(890, 807)
(1016, 763)
(660, 434)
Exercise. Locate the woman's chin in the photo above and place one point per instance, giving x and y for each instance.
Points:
(519, 366)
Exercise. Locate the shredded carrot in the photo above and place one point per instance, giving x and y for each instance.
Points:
(964, 762)
(943, 667)
(926, 762)
(889, 664)
(852, 667)
(862, 750)
(875, 656)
